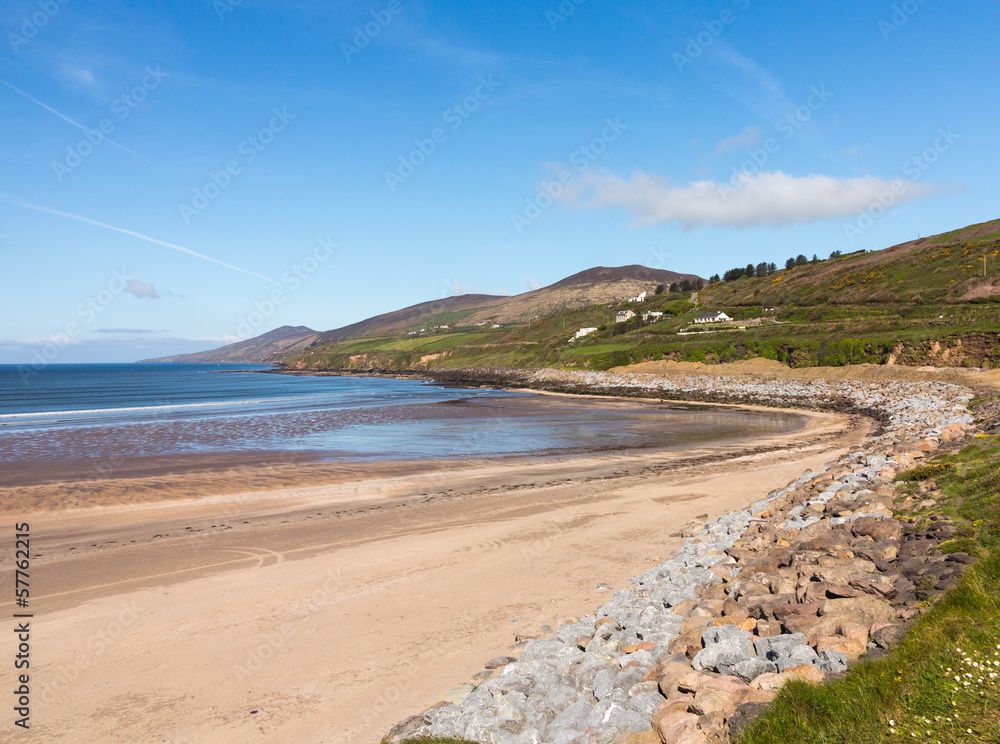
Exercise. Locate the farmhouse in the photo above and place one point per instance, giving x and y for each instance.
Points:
(718, 317)
(584, 332)
(641, 297)
(652, 317)
(623, 315)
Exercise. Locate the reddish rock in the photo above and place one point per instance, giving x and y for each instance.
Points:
(693, 680)
(675, 725)
(800, 623)
(807, 608)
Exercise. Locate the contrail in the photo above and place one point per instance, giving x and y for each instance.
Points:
(88, 221)
(75, 123)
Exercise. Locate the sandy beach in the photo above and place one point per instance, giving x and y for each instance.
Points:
(326, 611)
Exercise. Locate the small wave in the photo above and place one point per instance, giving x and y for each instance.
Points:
(133, 409)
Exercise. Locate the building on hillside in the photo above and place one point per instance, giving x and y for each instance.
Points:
(717, 317)
(584, 332)
(652, 317)
(641, 297)
(623, 315)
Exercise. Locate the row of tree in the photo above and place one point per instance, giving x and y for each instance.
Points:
(765, 269)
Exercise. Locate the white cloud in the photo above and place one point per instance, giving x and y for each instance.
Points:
(532, 284)
(769, 199)
(79, 75)
(58, 339)
(142, 290)
(744, 140)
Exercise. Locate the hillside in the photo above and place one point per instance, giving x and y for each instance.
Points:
(924, 302)
(260, 349)
(589, 287)
(434, 312)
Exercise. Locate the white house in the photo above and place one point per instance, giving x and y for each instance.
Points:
(718, 317)
(641, 297)
(652, 317)
(584, 332)
(623, 315)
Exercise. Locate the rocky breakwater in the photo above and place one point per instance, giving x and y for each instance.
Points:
(795, 586)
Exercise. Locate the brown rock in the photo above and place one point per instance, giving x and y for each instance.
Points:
(827, 541)
(684, 608)
(761, 696)
(688, 644)
(768, 628)
(835, 591)
(867, 610)
(814, 530)
(888, 636)
(678, 703)
(807, 673)
(696, 622)
(670, 673)
(878, 529)
(762, 607)
(857, 631)
(698, 736)
(813, 592)
(771, 682)
(800, 623)
(849, 647)
(644, 646)
(731, 606)
(844, 571)
(807, 608)
(693, 680)
(753, 589)
(713, 700)
(673, 726)
(640, 737)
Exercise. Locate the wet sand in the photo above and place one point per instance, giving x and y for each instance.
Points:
(237, 606)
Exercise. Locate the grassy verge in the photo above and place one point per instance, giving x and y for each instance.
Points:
(942, 684)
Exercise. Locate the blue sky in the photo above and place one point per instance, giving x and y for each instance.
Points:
(302, 162)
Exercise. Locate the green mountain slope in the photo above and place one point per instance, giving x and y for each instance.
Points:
(930, 301)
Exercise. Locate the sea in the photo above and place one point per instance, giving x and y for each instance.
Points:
(91, 411)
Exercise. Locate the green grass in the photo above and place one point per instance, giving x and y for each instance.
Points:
(912, 694)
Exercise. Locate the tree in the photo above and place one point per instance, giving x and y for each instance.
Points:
(790, 263)
(815, 258)
(659, 289)
(801, 260)
(762, 269)
(675, 287)
(714, 279)
(835, 254)
(700, 284)
(772, 267)
(686, 285)
(749, 271)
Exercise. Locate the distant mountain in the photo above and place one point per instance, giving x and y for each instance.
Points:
(589, 287)
(434, 312)
(258, 350)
